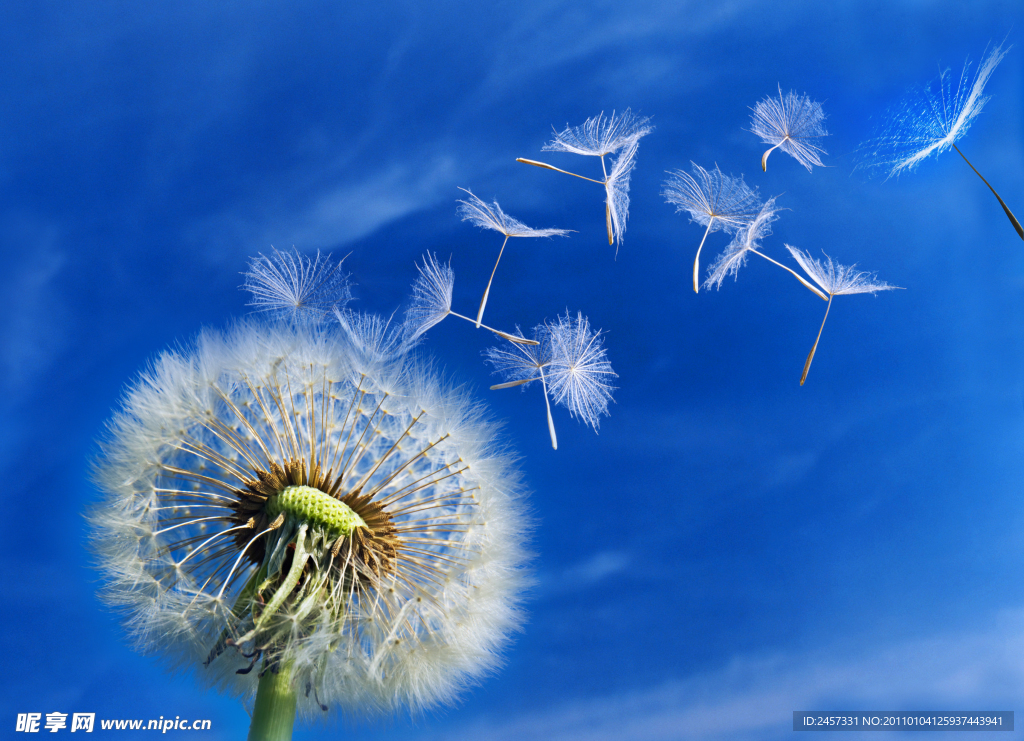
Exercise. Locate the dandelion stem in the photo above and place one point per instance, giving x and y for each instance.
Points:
(810, 356)
(503, 335)
(1009, 214)
(552, 167)
(795, 275)
(696, 260)
(273, 715)
(764, 157)
(487, 291)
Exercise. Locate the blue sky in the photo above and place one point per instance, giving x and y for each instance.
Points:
(731, 547)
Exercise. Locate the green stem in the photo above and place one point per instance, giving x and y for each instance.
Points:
(274, 714)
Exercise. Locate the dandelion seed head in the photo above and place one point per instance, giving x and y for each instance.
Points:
(599, 136)
(578, 372)
(617, 189)
(570, 362)
(490, 216)
(713, 200)
(431, 298)
(748, 238)
(373, 338)
(932, 119)
(793, 123)
(268, 504)
(516, 362)
(297, 288)
(836, 279)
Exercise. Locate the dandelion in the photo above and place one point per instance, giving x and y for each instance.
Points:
(793, 123)
(492, 217)
(579, 369)
(931, 121)
(431, 295)
(571, 364)
(294, 287)
(308, 526)
(598, 137)
(617, 189)
(432, 300)
(747, 241)
(714, 200)
(524, 364)
(371, 336)
(836, 280)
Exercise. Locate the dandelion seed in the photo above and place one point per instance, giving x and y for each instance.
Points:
(524, 364)
(571, 364)
(598, 137)
(793, 123)
(431, 301)
(579, 369)
(294, 287)
(836, 280)
(746, 241)
(713, 200)
(932, 121)
(617, 192)
(372, 336)
(492, 217)
(276, 500)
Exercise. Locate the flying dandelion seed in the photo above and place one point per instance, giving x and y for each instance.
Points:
(617, 191)
(307, 521)
(294, 287)
(598, 137)
(792, 123)
(432, 301)
(932, 121)
(570, 362)
(747, 241)
(579, 369)
(492, 217)
(713, 200)
(836, 280)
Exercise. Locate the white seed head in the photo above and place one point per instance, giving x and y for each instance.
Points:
(713, 199)
(793, 123)
(388, 576)
(617, 189)
(301, 289)
(490, 216)
(431, 296)
(599, 136)
(932, 119)
(836, 279)
(746, 239)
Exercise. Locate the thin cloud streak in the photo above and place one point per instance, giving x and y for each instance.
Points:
(336, 215)
(754, 697)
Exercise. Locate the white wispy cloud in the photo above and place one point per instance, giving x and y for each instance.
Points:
(754, 696)
(33, 318)
(333, 215)
(586, 573)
